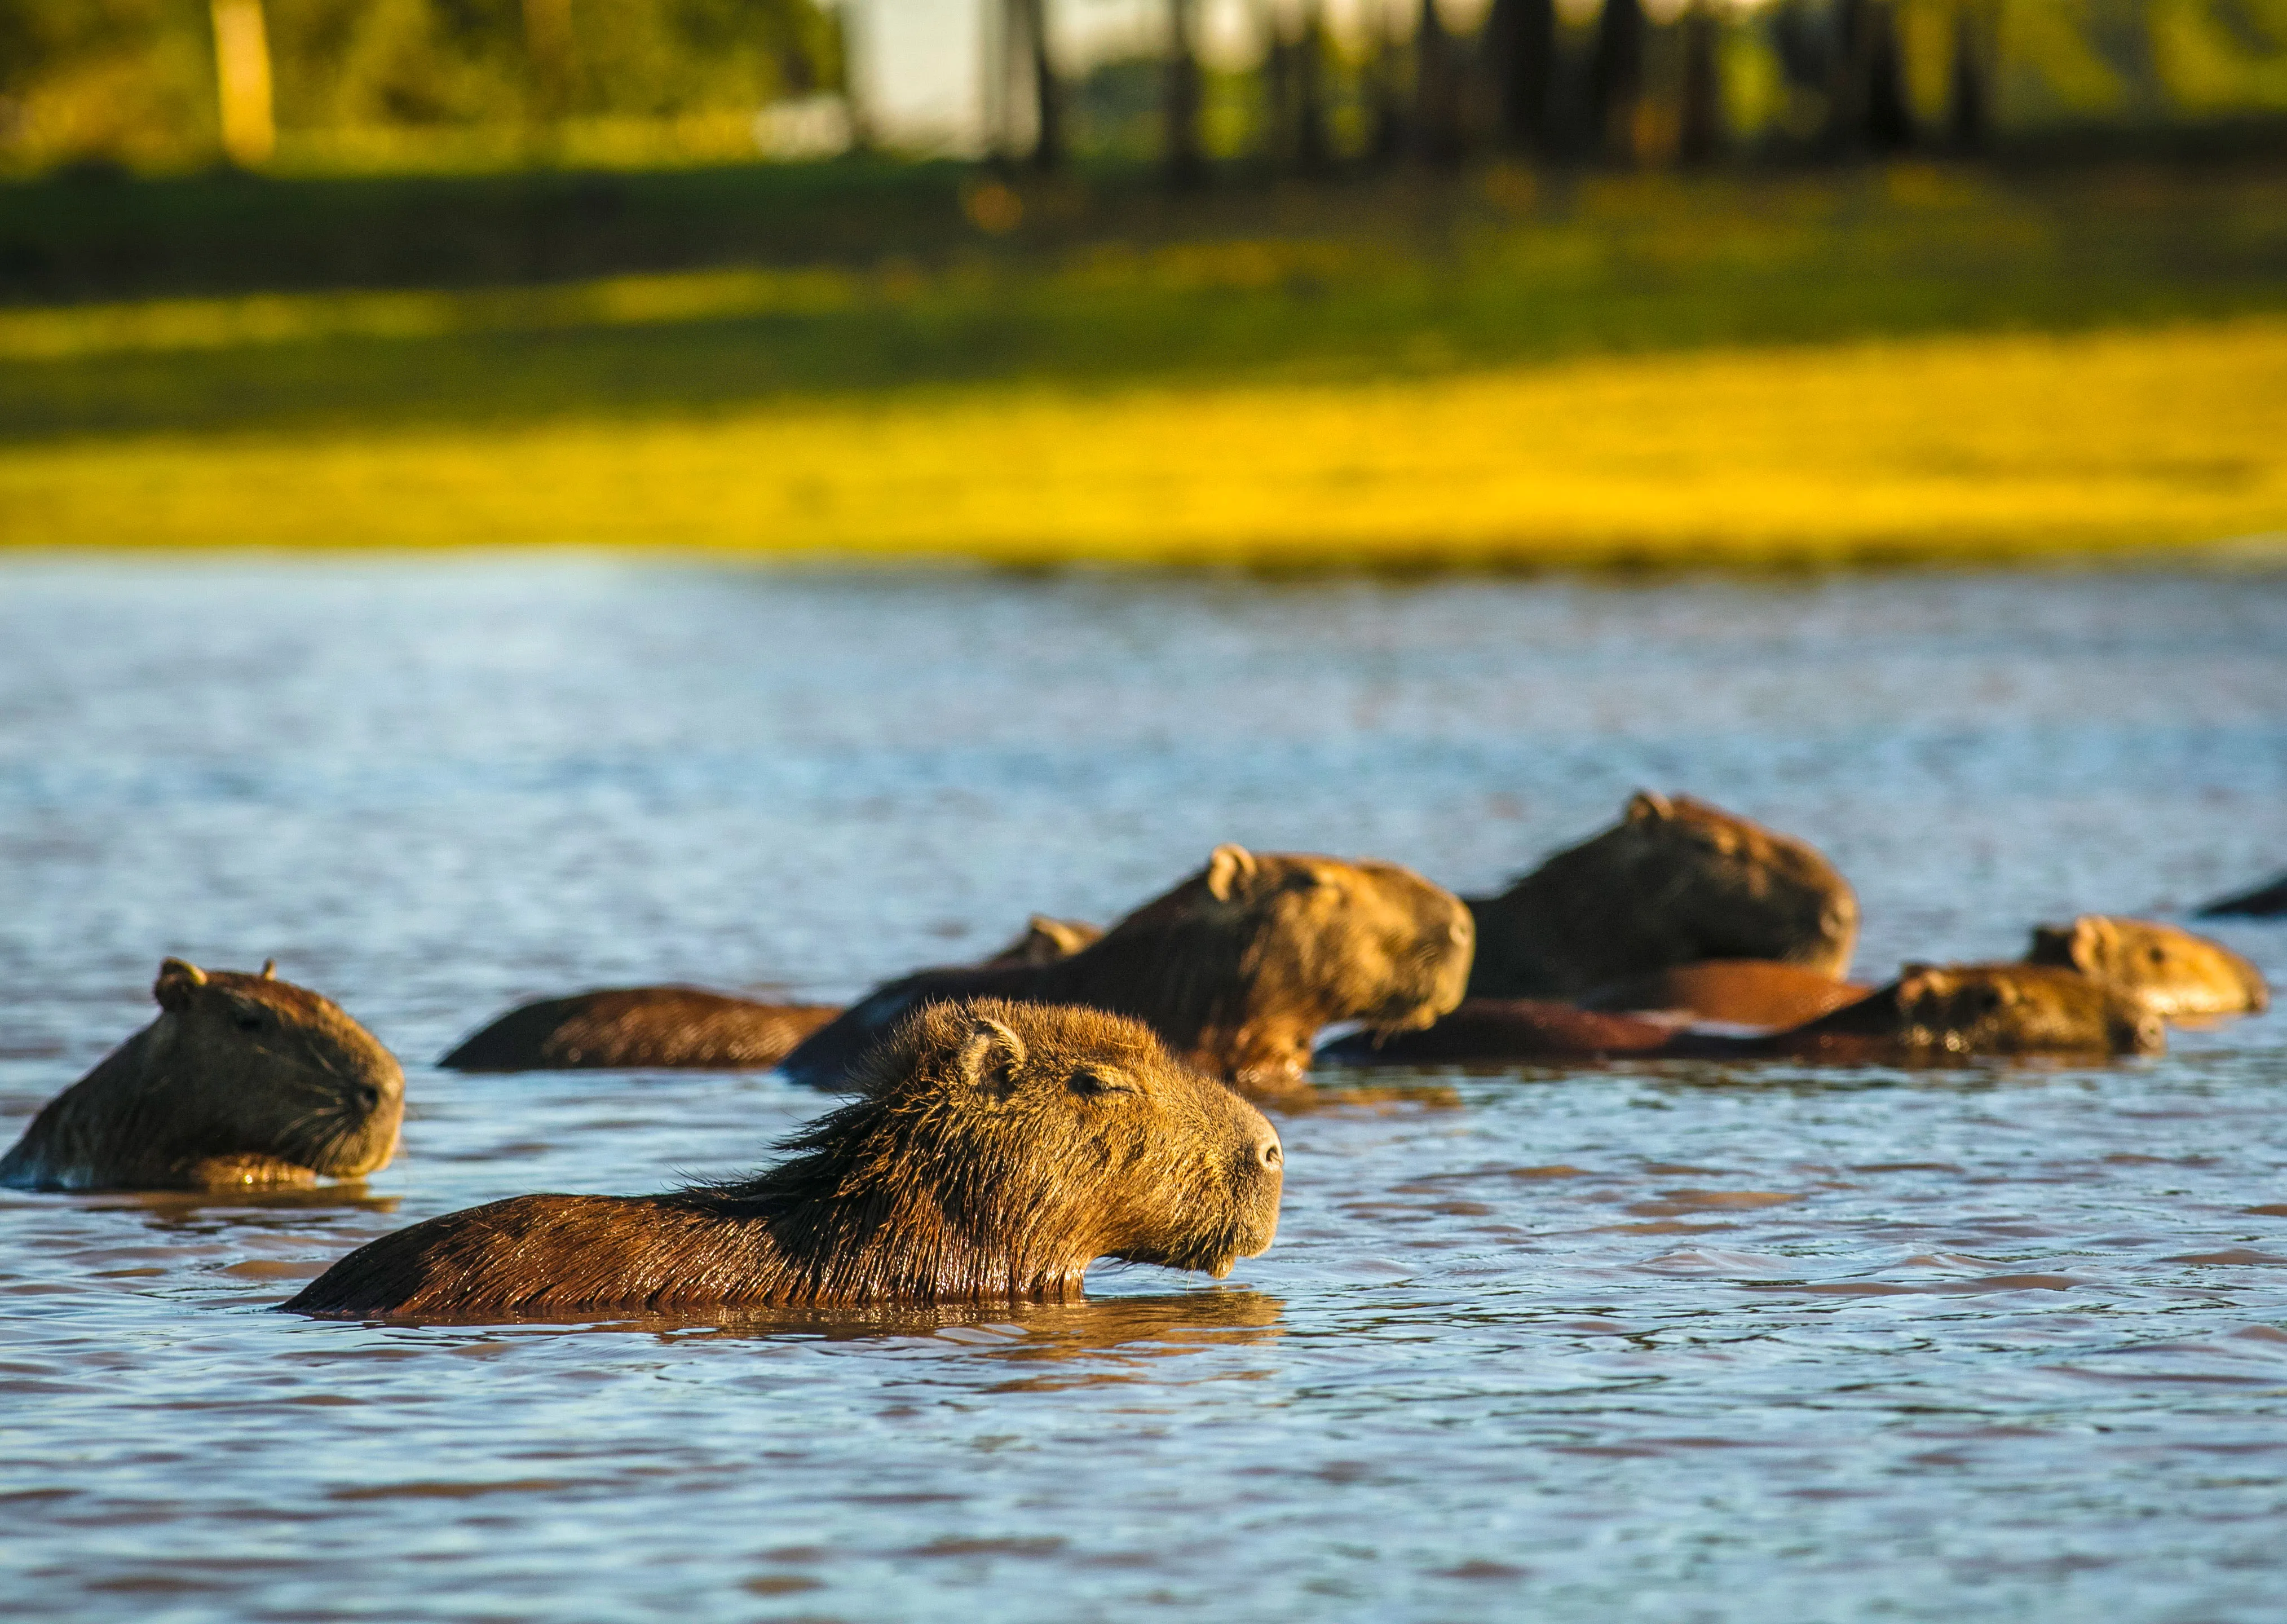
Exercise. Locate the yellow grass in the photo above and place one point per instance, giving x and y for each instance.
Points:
(1950, 447)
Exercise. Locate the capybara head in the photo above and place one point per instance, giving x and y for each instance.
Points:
(242, 1080)
(1676, 880)
(997, 1149)
(1939, 1010)
(1363, 940)
(1040, 1131)
(2175, 973)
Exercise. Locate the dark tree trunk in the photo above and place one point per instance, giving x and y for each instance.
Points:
(1180, 101)
(1969, 89)
(1312, 148)
(1385, 95)
(1615, 76)
(1521, 38)
(1868, 110)
(1699, 132)
(1031, 20)
(1890, 120)
(1437, 89)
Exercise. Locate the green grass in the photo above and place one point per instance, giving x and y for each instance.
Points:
(775, 352)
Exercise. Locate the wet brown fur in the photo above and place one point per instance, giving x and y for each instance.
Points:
(994, 1151)
(2173, 972)
(1930, 1015)
(2267, 900)
(1491, 1030)
(1730, 992)
(1237, 969)
(243, 1080)
(1676, 880)
(1959, 1011)
(662, 1029)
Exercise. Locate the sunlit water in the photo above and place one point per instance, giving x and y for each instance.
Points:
(1593, 1346)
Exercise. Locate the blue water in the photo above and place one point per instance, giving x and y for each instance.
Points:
(1680, 1344)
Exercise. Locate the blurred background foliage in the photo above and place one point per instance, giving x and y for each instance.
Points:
(394, 82)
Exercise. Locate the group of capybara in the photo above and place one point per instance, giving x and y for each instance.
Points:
(1086, 1094)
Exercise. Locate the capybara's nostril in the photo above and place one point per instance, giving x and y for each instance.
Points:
(1267, 1153)
(368, 1097)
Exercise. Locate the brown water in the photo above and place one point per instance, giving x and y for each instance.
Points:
(1695, 1344)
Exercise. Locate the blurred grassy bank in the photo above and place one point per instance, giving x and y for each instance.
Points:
(1912, 363)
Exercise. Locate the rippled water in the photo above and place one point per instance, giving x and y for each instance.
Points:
(1687, 1345)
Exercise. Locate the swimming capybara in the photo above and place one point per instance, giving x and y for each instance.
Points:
(242, 1080)
(644, 1028)
(1492, 1030)
(1237, 969)
(1936, 1012)
(1761, 993)
(2175, 973)
(2267, 900)
(994, 1151)
(1931, 1013)
(1676, 880)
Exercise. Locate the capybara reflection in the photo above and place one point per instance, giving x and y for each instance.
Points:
(636, 1028)
(2172, 971)
(1730, 992)
(2267, 900)
(1237, 969)
(994, 1151)
(241, 1080)
(1676, 880)
(1947, 1011)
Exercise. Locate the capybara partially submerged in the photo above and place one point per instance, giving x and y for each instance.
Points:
(243, 1080)
(1491, 1031)
(1932, 1013)
(632, 1029)
(2175, 973)
(1676, 880)
(1762, 993)
(1937, 1012)
(660, 1028)
(1237, 969)
(994, 1151)
(2267, 900)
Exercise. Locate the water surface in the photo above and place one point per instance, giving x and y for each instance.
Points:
(1681, 1343)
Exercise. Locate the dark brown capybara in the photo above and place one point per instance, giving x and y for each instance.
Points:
(1674, 882)
(2267, 900)
(1237, 969)
(1761, 993)
(994, 1151)
(1492, 1031)
(1943, 1012)
(1931, 1014)
(243, 1081)
(2172, 971)
(662, 1029)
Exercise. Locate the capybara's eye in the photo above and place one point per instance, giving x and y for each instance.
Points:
(247, 1020)
(1093, 1083)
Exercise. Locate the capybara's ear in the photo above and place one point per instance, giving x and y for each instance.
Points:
(1648, 805)
(178, 977)
(270, 969)
(991, 1054)
(1230, 867)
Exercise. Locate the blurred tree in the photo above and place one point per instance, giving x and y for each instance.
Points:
(1437, 89)
(1969, 82)
(1700, 115)
(1520, 43)
(1615, 76)
(1185, 161)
